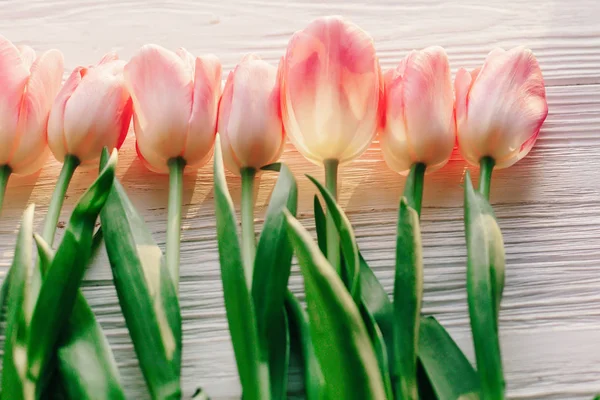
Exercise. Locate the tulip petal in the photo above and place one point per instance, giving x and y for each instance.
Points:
(56, 137)
(28, 56)
(92, 116)
(14, 75)
(108, 58)
(162, 92)
(42, 87)
(331, 89)
(505, 109)
(203, 121)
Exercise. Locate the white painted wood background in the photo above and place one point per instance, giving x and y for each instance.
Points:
(548, 204)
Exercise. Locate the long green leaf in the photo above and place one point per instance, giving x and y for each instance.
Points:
(14, 371)
(252, 368)
(448, 370)
(146, 292)
(347, 240)
(320, 224)
(272, 267)
(314, 382)
(485, 281)
(408, 292)
(59, 290)
(85, 360)
(341, 341)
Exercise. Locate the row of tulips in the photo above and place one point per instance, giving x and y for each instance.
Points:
(330, 98)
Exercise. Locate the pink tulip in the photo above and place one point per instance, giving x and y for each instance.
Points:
(418, 112)
(500, 107)
(175, 102)
(330, 90)
(28, 85)
(250, 125)
(92, 111)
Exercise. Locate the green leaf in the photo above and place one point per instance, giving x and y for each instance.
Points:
(448, 370)
(85, 360)
(253, 370)
(347, 240)
(314, 382)
(320, 225)
(485, 281)
(59, 290)
(341, 341)
(272, 267)
(408, 292)
(146, 292)
(14, 369)
(380, 349)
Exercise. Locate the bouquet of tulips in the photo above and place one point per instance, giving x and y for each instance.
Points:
(330, 99)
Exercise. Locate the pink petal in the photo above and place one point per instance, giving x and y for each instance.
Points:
(44, 84)
(92, 117)
(28, 56)
(108, 58)
(13, 79)
(203, 121)
(56, 123)
(162, 92)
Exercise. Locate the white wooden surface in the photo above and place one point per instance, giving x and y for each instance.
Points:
(548, 204)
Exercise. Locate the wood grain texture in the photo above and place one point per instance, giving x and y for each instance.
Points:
(548, 204)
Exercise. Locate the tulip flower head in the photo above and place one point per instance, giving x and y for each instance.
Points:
(92, 111)
(500, 107)
(418, 112)
(250, 125)
(28, 85)
(330, 88)
(175, 102)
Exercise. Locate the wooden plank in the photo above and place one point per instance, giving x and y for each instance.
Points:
(548, 204)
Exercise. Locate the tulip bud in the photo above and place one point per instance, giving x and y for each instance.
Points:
(500, 107)
(175, 103)
(418, 123)
(250, 126)
(330, 83)
(28, 85)
(92, 111)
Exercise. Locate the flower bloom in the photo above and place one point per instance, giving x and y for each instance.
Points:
(418, 112)
(250, 125)
(330, 88)
(28, 85)
(175, 103)
(500, 107)
(92, 111)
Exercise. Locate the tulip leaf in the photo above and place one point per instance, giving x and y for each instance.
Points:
(58, 293)
(408, 292)
(14, 371)
(341, 341)
(485, 281)
(252, 367)
(320, 225)
(146, 293)
(272, 267)
(447, 369)
(347, 240)
(314, 382)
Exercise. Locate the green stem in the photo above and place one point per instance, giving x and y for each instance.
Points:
(58, 198)
(413, 189)
(248, 235)
(486, 165)
(333, 239)
(5, 172)
(176, 166)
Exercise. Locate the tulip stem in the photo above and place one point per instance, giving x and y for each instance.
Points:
(176, 166)
(486, 165)
(333, 239)
(58, 198)
(5, 172)
(413, 188)
(248, 236)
